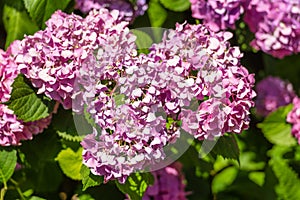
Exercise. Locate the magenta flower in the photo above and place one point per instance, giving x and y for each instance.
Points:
(276, 25)
(128, 11)
(168, 184)
(293, 117)
(217, 14)
(273, 93)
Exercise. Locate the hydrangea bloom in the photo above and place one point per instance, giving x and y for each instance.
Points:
(276, 25)
(128, 10)
(273, 93)
(8, 72)
(190, 65)
(10, 127)
(218, 14)
(294, 118)
(168, 184)
(216, 79)
(50, 58)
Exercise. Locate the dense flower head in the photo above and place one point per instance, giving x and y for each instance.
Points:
(168, 184)
(128, 9)
(10, 127)
(218, 14)
(51, 57)
(293, 117)
(276, 25)
(192, 77)
(273, 92)
(8, 72)
(215, 78)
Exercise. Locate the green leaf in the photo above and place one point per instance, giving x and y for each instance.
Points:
(89, 179)
(143, 41)
(41, 10)
(36, 198)
(17, 23)
(120, 98)
(136, 185)
(25, 103)
(70, 162)
(275, 128)
(8, 161)
(156, 13)
(224, 179)
(289, 183)
(176, 5)
(227, 147)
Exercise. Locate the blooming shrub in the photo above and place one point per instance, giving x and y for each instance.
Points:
(273, 93)
(93, 105)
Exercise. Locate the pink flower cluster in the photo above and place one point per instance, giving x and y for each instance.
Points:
(276, 24)
(128, 10)
(168, 184)
(294, 118)
(13, 130)
(218, 14)
(273, 93)
(193, 76)
(51, 57)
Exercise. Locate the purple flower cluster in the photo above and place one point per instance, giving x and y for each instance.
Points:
(168, 184)
(273, 93)
(8, 72)
(13, 130)
(276, 24)
(193, 76)
(294, 118)
(128, 10)
(51, 57)
(218, 14)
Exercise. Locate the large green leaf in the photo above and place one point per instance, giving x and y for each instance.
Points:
(41, 10)
(227, 147)
(275, 128)
(70, 162)
(89, 179)
(157, 14)
(17, 23)
(25, 103)
(136, 185)
(289, 183)
(143, 42)
(8, 161)
(176, 5)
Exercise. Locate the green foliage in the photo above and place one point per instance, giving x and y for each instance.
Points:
(41, 10)
(289, 183)
(89, 179)
(176, 5)
(227, 147)
(8, 161)
(276, 129)
(17, 23)
(143, 42)
(157, 14)
(70, 162)
(136, 185)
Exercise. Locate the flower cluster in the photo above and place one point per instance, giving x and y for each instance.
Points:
(128, 10)
(193, 76)
(168, 184)
(51, 57)
(218, 14)
(276, 25)
(273, 93)
(8, 72)
(293, 117)
(13, 130)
